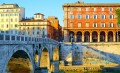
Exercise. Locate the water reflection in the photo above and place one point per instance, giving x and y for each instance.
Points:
(87, 72)
(19, 65)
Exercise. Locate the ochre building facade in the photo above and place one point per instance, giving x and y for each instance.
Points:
(88, 22)
(57, 28)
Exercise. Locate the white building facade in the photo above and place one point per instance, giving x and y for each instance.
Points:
(10, 15)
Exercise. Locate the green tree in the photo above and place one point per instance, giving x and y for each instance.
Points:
(118, 16)
(118, 20)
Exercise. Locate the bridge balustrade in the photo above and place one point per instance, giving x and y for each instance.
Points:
(24, 38)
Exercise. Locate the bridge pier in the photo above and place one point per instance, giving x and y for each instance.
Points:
(55, 66)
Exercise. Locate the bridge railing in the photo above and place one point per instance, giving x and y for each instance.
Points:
(25, 39)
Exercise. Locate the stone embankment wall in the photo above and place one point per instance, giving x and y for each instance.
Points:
(113, 48)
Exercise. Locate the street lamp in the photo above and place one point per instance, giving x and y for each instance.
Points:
(117, 32)
(43, 32)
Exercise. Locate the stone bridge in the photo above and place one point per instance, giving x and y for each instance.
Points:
(42, 53)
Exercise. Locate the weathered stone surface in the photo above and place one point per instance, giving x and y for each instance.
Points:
(8, 48)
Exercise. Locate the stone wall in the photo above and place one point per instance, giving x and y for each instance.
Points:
(113, 48)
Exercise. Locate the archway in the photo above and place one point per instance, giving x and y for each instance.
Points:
(68, 59)
(19, 63)
(56, 54)
(71, 34)
(118, 36)
(36, 56)
(79, 36)
(45, 59)
(94, 36)
(86, 36)
(102, 36)
(110, 36)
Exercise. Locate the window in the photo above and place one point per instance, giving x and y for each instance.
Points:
(2, 25)
(11, 20)
(110, 16)
(7, 26)
(102, 16)
(95, 9)
(38, 28)
(87, 9)
(16, 32)
(39, 16)
(87, 24)
(110, 24)
(11, 31)
(79, 24)
(110, 9)
(94, 24)
(79, 16)
(87, 16)
(95, 16)
(102, 9)
(6, 20)
(33, 28)
(36, 16)
(79, 9)
(38, 32)
(102, 24)
(15, 25)
(6, 14)
(15, 14)
(7, 10)
(16, 10)
(2, 20)
(28, 33)
(2, 14)
(71, 16)
(33, 32)
(71, 24)
(12, 10)
(10, 14)
(15, 19)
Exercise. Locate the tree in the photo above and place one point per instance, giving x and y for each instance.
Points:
(118, 19)
(118, 16)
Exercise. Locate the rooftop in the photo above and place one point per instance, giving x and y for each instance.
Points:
(9, 6)
(52, 17)
(33, 20)
(38, 14)
(81, 4)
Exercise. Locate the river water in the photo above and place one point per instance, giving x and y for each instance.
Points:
(87, 72)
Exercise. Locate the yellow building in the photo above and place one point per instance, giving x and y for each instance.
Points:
(37, 26)
(10, 15)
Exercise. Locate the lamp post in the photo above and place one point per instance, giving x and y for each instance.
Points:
(117, 32)
(43, 35)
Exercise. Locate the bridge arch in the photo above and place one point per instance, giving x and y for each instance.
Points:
(45, 58)
(36, 58)
(55, 54)
(16, 53)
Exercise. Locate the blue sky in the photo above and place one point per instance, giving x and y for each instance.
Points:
(49, 7)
